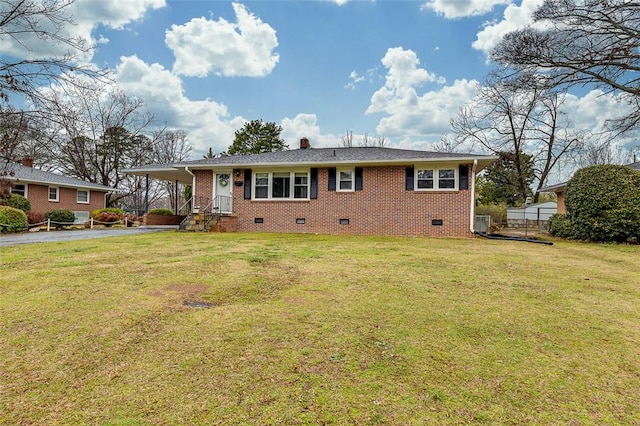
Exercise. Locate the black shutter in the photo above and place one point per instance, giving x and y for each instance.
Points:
(313, 189)
(247, 184)
(358, 178)
(332, 179)
(463, 171)
(408, 185)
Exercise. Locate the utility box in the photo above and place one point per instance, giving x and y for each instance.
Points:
(483, 222)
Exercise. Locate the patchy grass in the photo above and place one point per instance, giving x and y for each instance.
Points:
(307, 329)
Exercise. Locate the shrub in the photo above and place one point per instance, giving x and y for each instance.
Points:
(116, 211)
(60, 217)
(17, 202)
(498, 212)
(163, 212)
(12, 219)
(34, 217)
(107, 218)
(560, 226)
(130, 217)
(603, 203)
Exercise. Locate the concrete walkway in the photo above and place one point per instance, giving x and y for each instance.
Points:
(77, 234)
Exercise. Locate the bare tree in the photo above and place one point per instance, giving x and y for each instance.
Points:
(518, 117)
(582, 42)
(23, 74)
(365, 140)
(45, 21)
(171, 146)
(597, 151)
(101, 132)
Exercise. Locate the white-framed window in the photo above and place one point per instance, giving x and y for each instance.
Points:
(262, 185)
(301, 185)
(54, 193)
(436, 179)
(82, 196)
(281, 185)
(346, 180)
(19, 189)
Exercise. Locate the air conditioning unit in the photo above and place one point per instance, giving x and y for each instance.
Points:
(483, 222)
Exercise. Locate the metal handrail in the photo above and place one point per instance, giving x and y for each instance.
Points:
(186, 207)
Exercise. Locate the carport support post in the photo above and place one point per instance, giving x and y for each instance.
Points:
(146, 194)
(176, 204)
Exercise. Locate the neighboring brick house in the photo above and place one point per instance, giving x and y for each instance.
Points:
(559, 189)
(47, 191)
(362, 190)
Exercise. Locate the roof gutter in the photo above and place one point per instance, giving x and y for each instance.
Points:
(472, 210)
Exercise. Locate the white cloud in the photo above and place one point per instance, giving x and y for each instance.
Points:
(87, 14)
(354, 80)
(306, 125)
(206, 121)
(591, 111)
(412, 115)
(114, 14)
(515, 17)
(245, 48)
(452, 9)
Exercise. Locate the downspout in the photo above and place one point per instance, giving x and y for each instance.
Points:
(193, 187)
(472, 214)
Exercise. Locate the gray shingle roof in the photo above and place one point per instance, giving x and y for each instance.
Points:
(634, 165)
(24, 174)
(311, 157)
(354, 155)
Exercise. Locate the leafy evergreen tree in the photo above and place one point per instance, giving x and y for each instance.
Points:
(257, 137)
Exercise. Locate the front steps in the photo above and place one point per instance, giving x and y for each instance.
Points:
(207, 222)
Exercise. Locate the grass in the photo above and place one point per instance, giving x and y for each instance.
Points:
(308, 329)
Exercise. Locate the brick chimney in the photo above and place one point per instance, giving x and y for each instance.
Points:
(304, 143)
(27, 161)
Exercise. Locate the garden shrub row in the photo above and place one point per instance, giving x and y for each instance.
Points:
(13, 220)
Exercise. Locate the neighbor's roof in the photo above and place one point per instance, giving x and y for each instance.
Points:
(311, 157)
(23, 174)
(559, 187)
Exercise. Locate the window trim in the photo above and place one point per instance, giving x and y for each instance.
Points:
(88, 196)
(25, 193)
(436, 168)
(292, 185)
(57, 198)
(352, 172)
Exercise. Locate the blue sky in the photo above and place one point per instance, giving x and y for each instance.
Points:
(393, 69)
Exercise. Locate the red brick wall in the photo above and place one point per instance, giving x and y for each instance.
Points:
(383, 207)
(39, 197)
(204, 187)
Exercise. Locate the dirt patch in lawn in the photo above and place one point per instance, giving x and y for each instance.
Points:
(183, 291)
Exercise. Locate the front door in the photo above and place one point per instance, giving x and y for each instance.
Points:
(222, 198)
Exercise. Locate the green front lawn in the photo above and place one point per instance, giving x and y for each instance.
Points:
(308, 329)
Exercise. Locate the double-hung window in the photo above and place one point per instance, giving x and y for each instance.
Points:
(82, 196)
(54, 193)
(436, 179)
(346, 180)
(301, 185)
(281, 185)
(20, 190)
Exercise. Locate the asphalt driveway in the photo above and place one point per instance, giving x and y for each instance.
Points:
(77, 234)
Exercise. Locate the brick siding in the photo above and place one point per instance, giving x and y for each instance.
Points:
(204, 187)
(38, 195)
(383, 207)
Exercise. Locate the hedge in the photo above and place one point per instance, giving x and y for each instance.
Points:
(12, 219)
